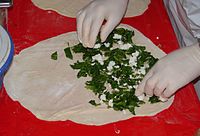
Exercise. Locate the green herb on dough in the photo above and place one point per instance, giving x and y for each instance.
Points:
(122, 77)
(68, 53)
(94, 103)
(154, 99)
(54, 56)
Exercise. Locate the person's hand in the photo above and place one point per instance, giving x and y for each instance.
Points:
(91, 17)
(171, 72)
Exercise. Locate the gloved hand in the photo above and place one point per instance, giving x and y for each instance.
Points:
(171, 72)
(91, 17)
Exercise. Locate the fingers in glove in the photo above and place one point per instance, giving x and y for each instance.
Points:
(140, 89)
(79, 22)
(86, 30)
(95, 28)
(108, 28)
(150, 85)
(160, 87)
(168, 92)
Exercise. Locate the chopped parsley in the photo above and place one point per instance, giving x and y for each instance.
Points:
(116, 67)
(68, 53)
(54, 56)
(154, 99)
(94, 103)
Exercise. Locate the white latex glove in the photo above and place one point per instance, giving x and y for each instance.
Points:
(171, 72)
(91, 17)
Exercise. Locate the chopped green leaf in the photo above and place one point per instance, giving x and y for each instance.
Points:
(94, 103)
(116, 82)
(68, 53)
(54, 56)
(154, 99)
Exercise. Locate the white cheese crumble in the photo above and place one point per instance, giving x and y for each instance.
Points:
(125, 84)
(110, 65)
(142, 71)
(135, 54)
(132, 61)
(117, 36)
(146, 65)
(116, 66)
(110, 102)
(98, 45)
(107, 44)
(130, 87)
(116, 89)
(125, 46)
(103, 97)
(135, 86)
(98, 58)
(141, 97)
(116, 79)
(120, 42)
(109, 73)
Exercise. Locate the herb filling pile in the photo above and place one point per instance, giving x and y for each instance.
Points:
(116, 67)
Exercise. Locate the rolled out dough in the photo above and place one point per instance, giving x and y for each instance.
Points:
(51, 91)
(71, 7)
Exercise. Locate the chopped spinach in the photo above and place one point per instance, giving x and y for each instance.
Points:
(122, 77)
(54, 56)
(68, 53)
(94, 103)
(154, 99)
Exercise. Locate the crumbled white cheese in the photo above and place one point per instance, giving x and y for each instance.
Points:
(125, 46)
(111, 48)
(130, 87)
(135, 54)
(116, 66)
(98, 58)
(130, 76)
(116, 79)
(142, 71)
(146, 65)
(110, 102)
(116, 89)
(120, 42)
(110, 65)
(135, 86)
(141, 97)
(117, 36)
(125, 84)
(103, 97)
(109, 73)
(107, 44)
(132, 61)
(98, 45)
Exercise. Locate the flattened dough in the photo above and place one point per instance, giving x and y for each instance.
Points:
(71, 7)
(50, 90)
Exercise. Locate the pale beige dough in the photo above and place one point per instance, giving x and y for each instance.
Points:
(51, 91)
(71, 7)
